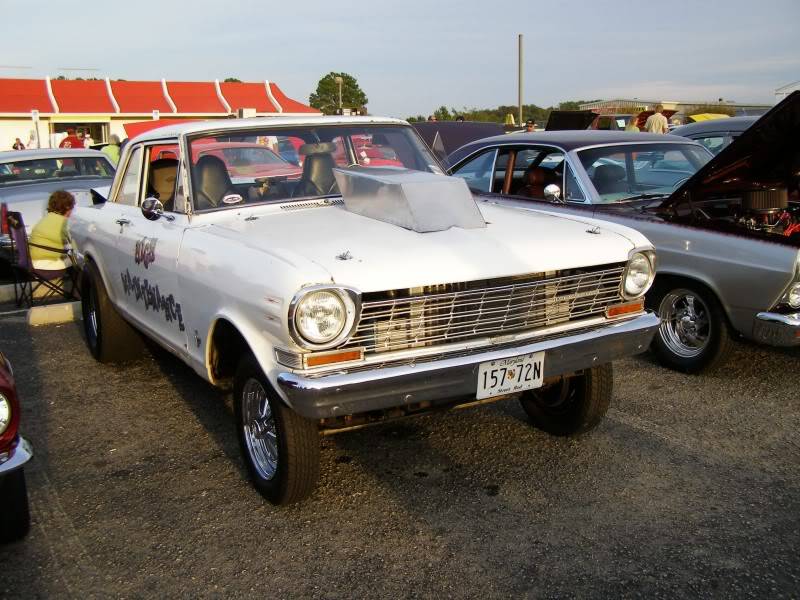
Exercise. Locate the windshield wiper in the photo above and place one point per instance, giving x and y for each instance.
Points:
(645, 196)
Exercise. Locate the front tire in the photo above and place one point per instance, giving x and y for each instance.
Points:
(572, 406)
(109, 337)
(693, 335)
(281, 449)
(15, 518)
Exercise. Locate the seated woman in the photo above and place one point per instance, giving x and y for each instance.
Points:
(51, 232)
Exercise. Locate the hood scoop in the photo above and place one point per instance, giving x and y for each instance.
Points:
(415, 200)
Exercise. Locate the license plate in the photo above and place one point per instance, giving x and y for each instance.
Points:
(510, 375)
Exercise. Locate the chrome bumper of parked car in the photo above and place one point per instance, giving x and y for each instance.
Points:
(16, 458)
(776, 329)
(345, 393)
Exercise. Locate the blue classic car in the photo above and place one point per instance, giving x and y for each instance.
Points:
(726, 227)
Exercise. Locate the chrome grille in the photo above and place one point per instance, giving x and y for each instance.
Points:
(441, 314)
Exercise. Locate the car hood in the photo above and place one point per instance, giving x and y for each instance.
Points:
(373, 255)
(763, 156)
(564, 120)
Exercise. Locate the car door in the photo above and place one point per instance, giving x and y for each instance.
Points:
(148, 248)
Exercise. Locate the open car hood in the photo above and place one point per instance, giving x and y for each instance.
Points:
(765, 155)
(563, 120)
(444, 137)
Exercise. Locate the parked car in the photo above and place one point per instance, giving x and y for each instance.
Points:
(28, 177)
(715, 134)
(356, 293)
(15, 452)
(726, 228)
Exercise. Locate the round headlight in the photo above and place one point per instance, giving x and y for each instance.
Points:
(320, 316)
(638, 275)
(793, 297)
(5, 413)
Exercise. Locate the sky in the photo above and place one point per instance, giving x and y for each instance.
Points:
(413, 56)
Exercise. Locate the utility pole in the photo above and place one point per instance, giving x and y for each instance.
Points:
(519, 80)
(338, 79)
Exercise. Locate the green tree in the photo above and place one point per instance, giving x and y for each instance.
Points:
(326, 98)
(232, 80)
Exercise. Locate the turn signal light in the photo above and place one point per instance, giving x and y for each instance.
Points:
(625, 309)
(329, 358)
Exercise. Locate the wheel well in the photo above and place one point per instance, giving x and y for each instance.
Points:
(225, 350)
(667, 279)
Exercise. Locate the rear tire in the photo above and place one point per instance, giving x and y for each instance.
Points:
(572, 406)
(109, 337)
(15, 518)
(693, 335)
(280, 448)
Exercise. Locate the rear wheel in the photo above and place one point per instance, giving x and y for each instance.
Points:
(280, 448)
(15, 518)
(110, 338)
(572, 406)
(693, 335)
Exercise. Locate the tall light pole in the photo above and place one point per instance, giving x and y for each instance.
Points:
(519, 80)
(339, 81)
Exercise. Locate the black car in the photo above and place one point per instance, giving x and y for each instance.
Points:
(715, 134)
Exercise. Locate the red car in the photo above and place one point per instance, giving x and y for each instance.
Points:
(15, 451)
(247, 161)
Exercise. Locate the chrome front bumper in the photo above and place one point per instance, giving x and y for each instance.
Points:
(776, 329)
(345, 393)
(16, 458)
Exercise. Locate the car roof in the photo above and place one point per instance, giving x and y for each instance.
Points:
(572, 139)
(17, 155)
(177, 130)
(729, 124)
(566, 140)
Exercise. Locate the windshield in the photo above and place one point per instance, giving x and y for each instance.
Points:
(275, 165)
(50, 169)
(629, 171)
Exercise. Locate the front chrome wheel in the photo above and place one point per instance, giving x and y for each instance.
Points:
(259, 429)
(685, 324)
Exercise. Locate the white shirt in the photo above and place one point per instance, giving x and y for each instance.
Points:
(656, 123)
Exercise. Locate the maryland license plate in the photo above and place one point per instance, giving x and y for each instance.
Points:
(510, 375)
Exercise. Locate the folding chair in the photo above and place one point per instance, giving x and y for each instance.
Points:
(27, 278)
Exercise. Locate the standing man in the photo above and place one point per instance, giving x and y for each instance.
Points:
(657, 123)
(18, 145)
(72, 140)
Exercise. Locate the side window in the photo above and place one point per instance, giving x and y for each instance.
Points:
(162, 174)
(572, 191)
(129, 188)
(478, 171)
(715, 143)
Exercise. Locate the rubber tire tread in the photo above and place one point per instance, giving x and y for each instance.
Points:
(15, 517)
(298, 443)
(596, 388)
(720, 346)
(117, 340)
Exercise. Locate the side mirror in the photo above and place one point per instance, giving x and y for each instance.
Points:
(152, 209)
(552, 193)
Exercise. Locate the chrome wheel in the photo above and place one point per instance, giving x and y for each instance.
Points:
(685, 324)
(259, 430)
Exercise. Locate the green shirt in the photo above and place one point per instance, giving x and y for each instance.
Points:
(50, 231)
(112, 152)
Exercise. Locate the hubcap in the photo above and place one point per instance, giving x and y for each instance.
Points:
(91, 313)
(259, 429)
(685, 324)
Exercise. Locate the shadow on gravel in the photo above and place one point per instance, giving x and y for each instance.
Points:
(211, 406)
(17, 341)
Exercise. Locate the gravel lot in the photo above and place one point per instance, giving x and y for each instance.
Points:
(690, 487)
